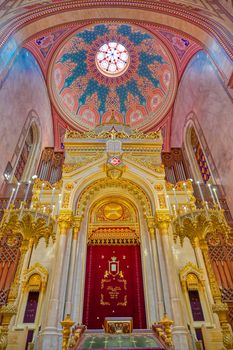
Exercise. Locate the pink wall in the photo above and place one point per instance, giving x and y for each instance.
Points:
(201, 91)
(23, 90)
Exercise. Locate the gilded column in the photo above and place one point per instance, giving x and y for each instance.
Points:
(76, 228)
(180, 334)
(50, 332)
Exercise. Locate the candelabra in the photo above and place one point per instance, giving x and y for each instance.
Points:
(27, 226)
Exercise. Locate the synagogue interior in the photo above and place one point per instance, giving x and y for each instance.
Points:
(116, 168)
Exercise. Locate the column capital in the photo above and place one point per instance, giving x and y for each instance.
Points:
(65, 220)
(77, 225)
(151, 225)
(162, 221)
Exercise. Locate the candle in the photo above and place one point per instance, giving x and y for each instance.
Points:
(216, 196)
(11, 196)
(21, 210)
(169, 204)
(41, 191)
(175, 197)
(52, 214)
(52, 199)
(174, 208)
(200, 190)
(16, 191)
(59, 203)
(185, 189)
(27, 191)
(211, 192)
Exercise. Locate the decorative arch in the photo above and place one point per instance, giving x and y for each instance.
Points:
(113, 220)
(35, 278)
(90, 192)
(191, 277)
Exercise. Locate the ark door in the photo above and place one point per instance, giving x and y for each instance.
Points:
(114, 284)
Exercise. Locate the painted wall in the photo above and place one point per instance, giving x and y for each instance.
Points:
(23, 90)
(201, 91)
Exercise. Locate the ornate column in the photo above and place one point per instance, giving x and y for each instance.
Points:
(76, 228)
(221, 309)
(180, 334)
(50, 332)
(201, 264)
(151, 227)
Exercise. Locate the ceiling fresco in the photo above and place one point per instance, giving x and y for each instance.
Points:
(113, 66)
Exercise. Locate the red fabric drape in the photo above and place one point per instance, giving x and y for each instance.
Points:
(114, 285)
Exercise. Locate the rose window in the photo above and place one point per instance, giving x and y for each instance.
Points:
(112, 59)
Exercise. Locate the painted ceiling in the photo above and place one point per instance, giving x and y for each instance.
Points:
(116, 67)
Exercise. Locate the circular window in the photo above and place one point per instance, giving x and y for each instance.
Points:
(112, 59)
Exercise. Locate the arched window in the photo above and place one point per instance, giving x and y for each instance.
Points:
(24, 155)
(199, 156)
(25, 166)
(196, 153)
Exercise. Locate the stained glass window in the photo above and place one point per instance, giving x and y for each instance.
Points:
(200, 157)
(24, 156)
(112, 59)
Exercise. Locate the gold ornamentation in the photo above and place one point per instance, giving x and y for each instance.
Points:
(102, 302)
(191, 276)
(123, 303)
(167, 323)
(80, 162)
(146, 162)
(124, 184)
(180, 185)
(198, 225)
(76, 226)
(120, 235)
(151, 226)
(162, 221)
(69, 186)
(35, 270)
(66, 200)
(31, 229)
(65, 220)
(158, 187)
(113, 211)
(196, 228)
(162, 201)
(67, 323)
(38, 185)
(136, 134)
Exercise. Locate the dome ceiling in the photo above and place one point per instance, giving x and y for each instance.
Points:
(112, 66)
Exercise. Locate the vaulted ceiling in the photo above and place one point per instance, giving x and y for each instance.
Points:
(88, 74)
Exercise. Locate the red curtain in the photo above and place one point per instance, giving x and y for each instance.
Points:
(114, 285)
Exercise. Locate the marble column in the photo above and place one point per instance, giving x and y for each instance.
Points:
(179, 331)
(77, 224)
(49, 336)
(158, 277)
(201, 264)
